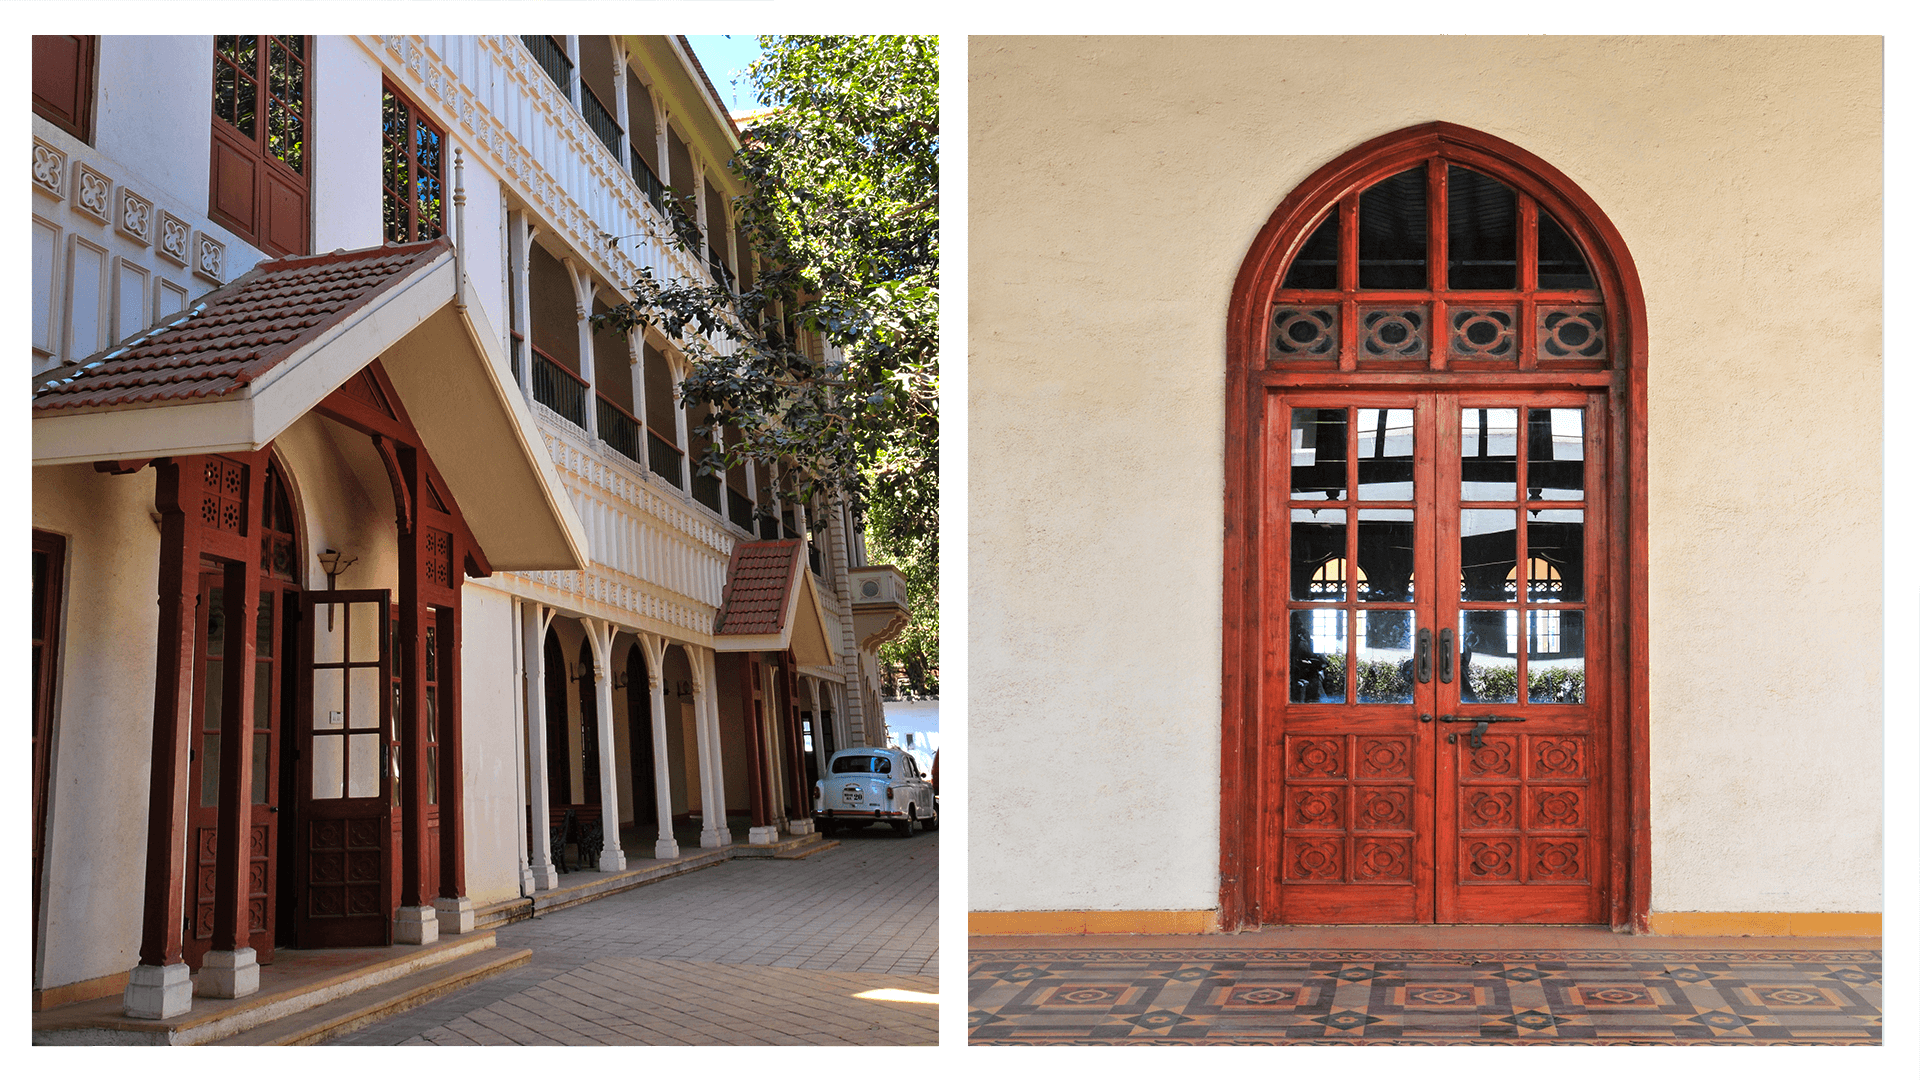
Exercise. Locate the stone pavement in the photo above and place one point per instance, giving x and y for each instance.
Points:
(750, 952)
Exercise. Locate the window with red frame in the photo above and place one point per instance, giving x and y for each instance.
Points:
(63, 66)
(262, 120)
(412, 170)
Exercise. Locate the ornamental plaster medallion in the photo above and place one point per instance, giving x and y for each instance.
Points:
(90, 192)
(135, 216)
(209, 258)
(176, 237)
(49, 170)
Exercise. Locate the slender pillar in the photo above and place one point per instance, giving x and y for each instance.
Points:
(600, 636)
(679, 373)
(713, 795)
(533, 645)
(231, 969)
(516, 637)
(160, 986)
(520, 235)
(800, 819)
(583, 289)
(664, 846)
(416, 922)
(453, 905)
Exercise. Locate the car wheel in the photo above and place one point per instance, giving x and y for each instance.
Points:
(827, 827)
(933, 822)
(905, 828)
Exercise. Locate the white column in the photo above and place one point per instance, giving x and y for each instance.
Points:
(620, 103)
(534, 620)
(573, 54)
(583, 289)
(713, 801)
(516, 647)
(666, 847)
(711, 662)
(600, 638)
(679, 373)
(519, 259)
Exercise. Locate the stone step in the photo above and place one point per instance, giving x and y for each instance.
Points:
(355, 1011)
(787, 847)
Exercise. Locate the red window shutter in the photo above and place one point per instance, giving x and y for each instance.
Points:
(63, 81)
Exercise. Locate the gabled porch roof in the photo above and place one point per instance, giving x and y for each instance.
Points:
(257, 354)
(770, 604)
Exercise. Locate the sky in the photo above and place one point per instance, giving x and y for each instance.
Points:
(724, 55)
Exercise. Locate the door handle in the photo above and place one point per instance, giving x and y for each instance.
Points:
(1446, 655)
(1479, 726)
(1423, 658)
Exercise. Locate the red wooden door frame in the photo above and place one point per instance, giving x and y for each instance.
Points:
(1244, 617)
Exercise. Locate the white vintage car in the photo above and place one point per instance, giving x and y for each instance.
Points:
(864, 785)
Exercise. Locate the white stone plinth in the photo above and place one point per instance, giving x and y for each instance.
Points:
(228, 974)
(456, 914)
(156, 993)
(546, 877)
(711, 838)
(612, 859)
(416, 926)
(763, 834)
(666, 849)
(801, 827)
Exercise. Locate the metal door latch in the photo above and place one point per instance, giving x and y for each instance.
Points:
(1479, 726)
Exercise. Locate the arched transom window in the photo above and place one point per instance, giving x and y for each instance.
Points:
(1439, 267)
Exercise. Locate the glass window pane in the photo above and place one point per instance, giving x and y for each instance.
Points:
(1393, 232)
(1487, 543)
(1489, 465)
(1319, 454)
(262, 743)
(1386, 555)
(363, 774)
(329, 766)
(1483, 232)
(364, 624)
(1317, 265)
(1488, 673)
(1319, 555)
(216, 621)
(1556, 556)
(1561, 265)
(1556, 453)
(210, 768)
(328, 641)
(1386, 453)
(433, 774)
(363, 701)
(1384, 667)
(262, 694)
(329, 699)
(263, 627)
(1556, 657)
(214, 689)
(1317, 660)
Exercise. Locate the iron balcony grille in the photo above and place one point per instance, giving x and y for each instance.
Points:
(706, 488)
(600, 120)
(513, 355)
(769, 528)
(552, 59)
(740, 510)
(650, 184)
(559, 389)
(663, 458)
(813, 557)
(620, 430)
(720, 272)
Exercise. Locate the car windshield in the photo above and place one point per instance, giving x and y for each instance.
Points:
(863, 763)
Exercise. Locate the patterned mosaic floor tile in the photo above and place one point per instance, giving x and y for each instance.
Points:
(1423, 996)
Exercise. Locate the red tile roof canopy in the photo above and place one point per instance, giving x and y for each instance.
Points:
(237, 333)
(760, 578)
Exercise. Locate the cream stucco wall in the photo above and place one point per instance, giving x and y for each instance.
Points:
(1115, 187)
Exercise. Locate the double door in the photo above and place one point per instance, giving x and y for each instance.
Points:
(1434, 741)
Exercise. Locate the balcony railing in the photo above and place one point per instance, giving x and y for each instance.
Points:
(720, 272)
(769, 528)
(706, 488)
(650, 185)
(559, 389)
(619, 429)
(663, 458)
(514, 355)
(600, 120)
(813, 557)
(552, 59)
(740, 510)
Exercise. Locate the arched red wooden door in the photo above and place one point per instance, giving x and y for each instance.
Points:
(1434, 349)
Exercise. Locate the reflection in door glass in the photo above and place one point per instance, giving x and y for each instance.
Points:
(1556, 454)
(1489, 467)
(1384, 667)
(1487, 669)
(1319, 555)
(1319, 454)
(1556, 657)
(1486, 554)
(1386, 453)
(1556, 556)
(1317, 656)
(1386, 555)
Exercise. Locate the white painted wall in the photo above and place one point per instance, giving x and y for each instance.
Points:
(147, 85)
(489, 756)
(1115, 187)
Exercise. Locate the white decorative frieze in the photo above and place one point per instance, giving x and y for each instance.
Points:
(209, 258)
(135, 216)
(90, 192)
(176, 239)
(49, 170)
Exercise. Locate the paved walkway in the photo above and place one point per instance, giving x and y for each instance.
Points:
(1423, 986)
(751, 952)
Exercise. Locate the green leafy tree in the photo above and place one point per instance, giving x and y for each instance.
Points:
(842, 205)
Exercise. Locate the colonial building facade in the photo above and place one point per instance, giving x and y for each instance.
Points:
(1486, 361)
(444, 603)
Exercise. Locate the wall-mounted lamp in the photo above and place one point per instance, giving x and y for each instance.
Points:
(334, 563)
(621, 679)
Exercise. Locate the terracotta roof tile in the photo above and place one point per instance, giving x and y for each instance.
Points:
(236, 333)
(758, 579)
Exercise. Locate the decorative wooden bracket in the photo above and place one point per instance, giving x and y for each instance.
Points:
(402, 501)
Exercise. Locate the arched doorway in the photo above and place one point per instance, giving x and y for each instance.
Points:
(1434, 612)
(646, 809)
